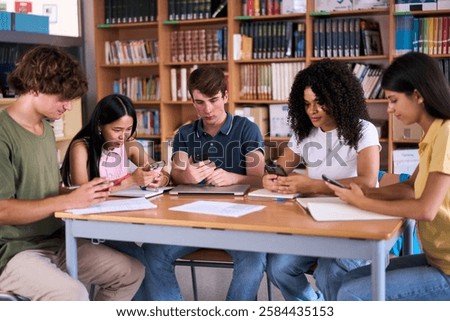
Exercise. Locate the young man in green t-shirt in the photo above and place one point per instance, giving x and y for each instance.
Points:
(32, 250)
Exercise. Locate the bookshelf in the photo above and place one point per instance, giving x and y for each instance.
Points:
(23, 40)
(175, 113)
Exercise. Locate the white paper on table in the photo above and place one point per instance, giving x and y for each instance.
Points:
(334, 209)
(132, 204)
(218, 208)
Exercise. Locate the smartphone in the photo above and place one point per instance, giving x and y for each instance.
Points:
(156, 166)
(275, 169)
(334, 182)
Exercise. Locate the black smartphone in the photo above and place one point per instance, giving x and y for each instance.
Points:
(275, 169)
(334, 182)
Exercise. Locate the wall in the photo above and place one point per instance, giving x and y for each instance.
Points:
(64, 18)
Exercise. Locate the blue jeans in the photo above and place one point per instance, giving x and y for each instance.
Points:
(408, 278)
(134, 250)
(287, 272)
(247, 273)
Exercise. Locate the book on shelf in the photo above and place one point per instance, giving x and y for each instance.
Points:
(218, 8)
(371, 37)
(332, 5)
(292, 6)
(415, 5)
(370, 4)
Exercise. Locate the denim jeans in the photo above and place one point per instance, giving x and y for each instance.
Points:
(160, 283)
(408, 278)
(287, 272)
(134, 250)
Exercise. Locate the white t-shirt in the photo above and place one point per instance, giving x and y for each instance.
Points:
(323, 153)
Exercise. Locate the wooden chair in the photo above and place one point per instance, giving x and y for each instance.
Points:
(212, 258)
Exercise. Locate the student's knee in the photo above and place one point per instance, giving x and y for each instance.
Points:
(75, 291)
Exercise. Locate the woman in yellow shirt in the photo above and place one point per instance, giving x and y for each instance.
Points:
(417, 92)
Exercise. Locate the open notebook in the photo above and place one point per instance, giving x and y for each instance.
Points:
(334, 209)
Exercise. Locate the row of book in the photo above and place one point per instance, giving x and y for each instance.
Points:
(141, 51)
(198, 45)
(130, 11)
(430, 35)
(138, 88)
(178, 83)
(267, 81)
(369, 77)
(148, 122)
(346, 37)
(272, 40)
(197, 9)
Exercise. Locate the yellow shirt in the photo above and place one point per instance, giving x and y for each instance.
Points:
(434, 153)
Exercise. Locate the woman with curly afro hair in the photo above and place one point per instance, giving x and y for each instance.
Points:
(327, 113)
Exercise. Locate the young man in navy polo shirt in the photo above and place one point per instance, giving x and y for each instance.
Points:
(217, 149)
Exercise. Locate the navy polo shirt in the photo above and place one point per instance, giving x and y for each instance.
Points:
(237, 137)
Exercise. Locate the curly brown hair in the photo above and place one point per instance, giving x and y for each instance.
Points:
(338, 90)
(49, 70)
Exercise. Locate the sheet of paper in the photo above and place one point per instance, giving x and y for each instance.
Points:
(132, 204)
(136, 191)
(334, 209)
(266, 193)
(218, 208)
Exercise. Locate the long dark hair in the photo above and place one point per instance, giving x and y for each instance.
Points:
(418, 71)
(107, 110)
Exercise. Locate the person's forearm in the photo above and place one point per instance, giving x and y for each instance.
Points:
(252, 180)
(402, 191)
(18, 212)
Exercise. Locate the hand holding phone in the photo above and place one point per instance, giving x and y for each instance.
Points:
(275, 169)
(156, 166)
(334, 182)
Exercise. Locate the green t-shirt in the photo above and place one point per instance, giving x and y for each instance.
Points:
(28, 171)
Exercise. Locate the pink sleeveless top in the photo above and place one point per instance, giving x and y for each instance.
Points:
(112, 163)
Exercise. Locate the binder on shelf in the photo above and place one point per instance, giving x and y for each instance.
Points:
(332, 5)
(371, 37)
(419, 5)
(370, 4)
